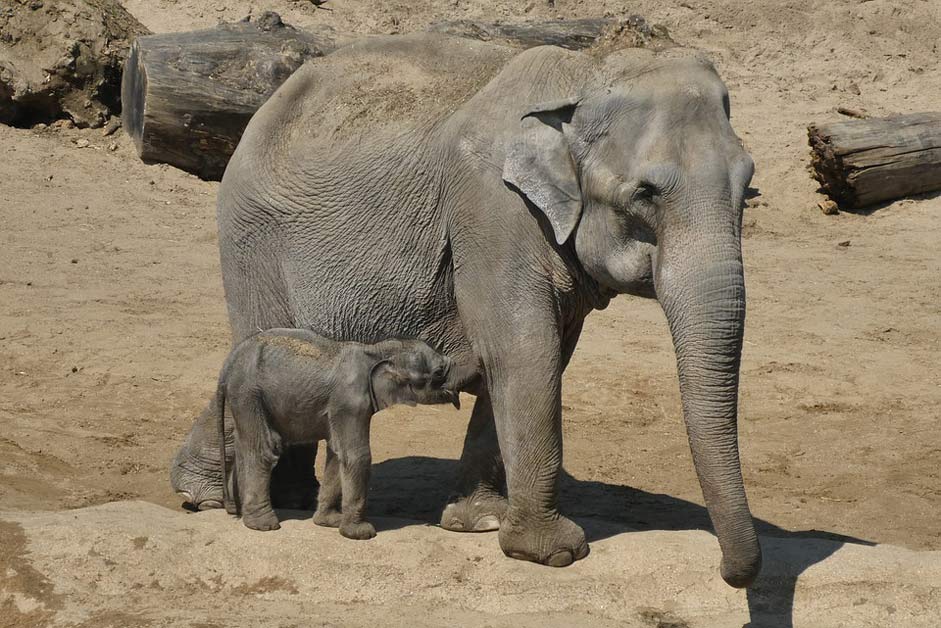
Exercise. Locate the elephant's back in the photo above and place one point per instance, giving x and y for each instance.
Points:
(376, 88)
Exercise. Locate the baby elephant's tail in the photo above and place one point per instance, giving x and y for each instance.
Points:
(220, 422)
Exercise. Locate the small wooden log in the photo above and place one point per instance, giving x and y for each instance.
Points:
(863, 162)
(187, 97)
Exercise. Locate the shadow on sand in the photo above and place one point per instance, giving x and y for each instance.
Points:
(417, 488)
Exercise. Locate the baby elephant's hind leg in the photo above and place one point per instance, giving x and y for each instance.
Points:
(349, 438)
(257, 451)
(328, 500)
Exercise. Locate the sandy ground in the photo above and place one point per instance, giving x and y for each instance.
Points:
(420, 576)
(112, 328)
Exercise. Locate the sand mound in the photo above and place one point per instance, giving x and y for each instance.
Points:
(132, 563)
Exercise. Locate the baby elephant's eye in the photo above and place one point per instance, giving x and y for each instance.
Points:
(437, 375)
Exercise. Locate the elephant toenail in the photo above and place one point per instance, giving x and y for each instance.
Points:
(187, 498)
(487, 523)
(562, 558)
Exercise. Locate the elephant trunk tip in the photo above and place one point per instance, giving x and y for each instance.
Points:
(740, 572)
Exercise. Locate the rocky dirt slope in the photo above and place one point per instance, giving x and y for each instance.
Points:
(137, 564)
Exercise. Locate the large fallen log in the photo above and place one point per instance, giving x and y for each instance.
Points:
(187, 97)
(571, 34)
(860, 163)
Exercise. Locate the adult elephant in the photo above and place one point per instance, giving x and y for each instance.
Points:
(486, 200)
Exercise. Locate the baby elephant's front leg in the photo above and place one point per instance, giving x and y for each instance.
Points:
(350, 437)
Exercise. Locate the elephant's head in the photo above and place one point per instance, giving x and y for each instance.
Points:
(645, 178)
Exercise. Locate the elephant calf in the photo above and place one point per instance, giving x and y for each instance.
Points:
(289, 386)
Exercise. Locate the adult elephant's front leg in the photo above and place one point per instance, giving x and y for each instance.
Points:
(525, 388)
(479, 503)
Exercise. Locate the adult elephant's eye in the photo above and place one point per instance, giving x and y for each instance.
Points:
(643, 193)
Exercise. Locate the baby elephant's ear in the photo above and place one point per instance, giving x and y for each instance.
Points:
(388, 386)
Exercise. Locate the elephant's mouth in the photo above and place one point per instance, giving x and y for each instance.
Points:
(435, 396)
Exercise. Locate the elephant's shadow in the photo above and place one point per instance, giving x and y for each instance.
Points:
(415, 489)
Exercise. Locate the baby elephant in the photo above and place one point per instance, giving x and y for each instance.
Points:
(290, 386)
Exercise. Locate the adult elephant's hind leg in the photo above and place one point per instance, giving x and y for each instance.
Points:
(196, 472)
(479, 502)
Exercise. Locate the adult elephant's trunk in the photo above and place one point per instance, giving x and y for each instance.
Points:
(701, 287)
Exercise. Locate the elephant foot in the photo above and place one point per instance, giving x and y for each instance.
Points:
(199, 488)
(294, 495)
(474, 514)
(202, 503)
(264, 521)
(358, 531)
(328, 518)
(557, 542)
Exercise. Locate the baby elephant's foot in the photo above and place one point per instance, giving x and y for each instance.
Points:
(359, 530)
(264, 520)
(557, 542)
(328, 518)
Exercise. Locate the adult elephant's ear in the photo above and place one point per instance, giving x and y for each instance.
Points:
(540, 165)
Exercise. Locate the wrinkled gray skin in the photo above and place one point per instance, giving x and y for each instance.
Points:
(491, 227)
(292, 387)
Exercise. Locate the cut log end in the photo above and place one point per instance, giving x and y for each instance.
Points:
(133, 88)
(829, 170)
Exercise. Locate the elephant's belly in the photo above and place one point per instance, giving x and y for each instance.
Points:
(302, 427)
(369, 286)
(367, 306)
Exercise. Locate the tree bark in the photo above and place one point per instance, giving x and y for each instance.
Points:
(860, 163)
(187, 97)
(571, 34)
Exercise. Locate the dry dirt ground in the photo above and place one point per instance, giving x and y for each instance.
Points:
(112, 328)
